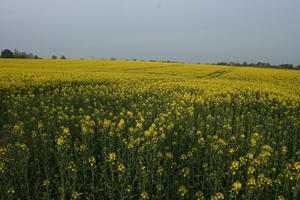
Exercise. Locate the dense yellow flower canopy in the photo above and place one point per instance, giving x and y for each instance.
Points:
(90, 129)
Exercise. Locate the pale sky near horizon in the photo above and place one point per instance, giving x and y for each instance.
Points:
(194, 31)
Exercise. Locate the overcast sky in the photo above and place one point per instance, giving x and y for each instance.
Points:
(179, 30)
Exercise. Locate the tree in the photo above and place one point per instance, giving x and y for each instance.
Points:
(7, 54)
(63, 57)
(54, 57)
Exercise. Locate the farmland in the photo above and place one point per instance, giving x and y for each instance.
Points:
(88, 129)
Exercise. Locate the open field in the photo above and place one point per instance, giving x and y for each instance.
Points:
(87, 129)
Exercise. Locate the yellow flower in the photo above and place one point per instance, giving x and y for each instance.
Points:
(66, 131)
(121, 167)
(251, 182)
(235, 165)
(169, 155)
(106, 123)
(71, 166)
(297, 166)
(231, 150)
(218, 196)
(201, 140)
(112, 157)
(139, 125)
(160, 170)
(129, 188)
(250, 156)
(253, 142)
(182, 190)
(60, 140)
(237, 185)
(92, 161)
(185, 171)
(75, 195)
(80, 148)
(2, 150)
(159, 187)
(144, 195)
(40, 124)
(199, 196)
(121, 123)
(268, 148)
(284, 149)
(130, 114)
(22, 146)
(251, 170)
(2, 167)
(46, 182)
(280, 198)
(159, 154)
(147, 133)
(11, 191)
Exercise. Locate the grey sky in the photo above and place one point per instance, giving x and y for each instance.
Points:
(180, 30)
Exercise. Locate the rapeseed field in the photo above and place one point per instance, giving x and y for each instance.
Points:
(87, 129)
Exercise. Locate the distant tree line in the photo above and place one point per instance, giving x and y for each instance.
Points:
(258, 64)
(17, 54)
(6, 53)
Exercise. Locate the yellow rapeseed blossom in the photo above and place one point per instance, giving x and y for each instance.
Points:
(106, 123)
(297, 166)
(237, 185)
(284, 149)
(121, 123)
(66, 131)
(144, 195)
(280, 198)
(251, 170)
(11, 191)
(92, 161)
(169, 155)
(218, 196)
(199, 196)
(112, 157)
(46, 182)
(75, 195)
(60, 140)
(251, 182)
(2, 167)
(160, 170)
(182, 190)
(121, 167)
(185, 171)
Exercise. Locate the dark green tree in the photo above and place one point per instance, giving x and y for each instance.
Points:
(54, 57)
(7, 54)
(63, 57)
